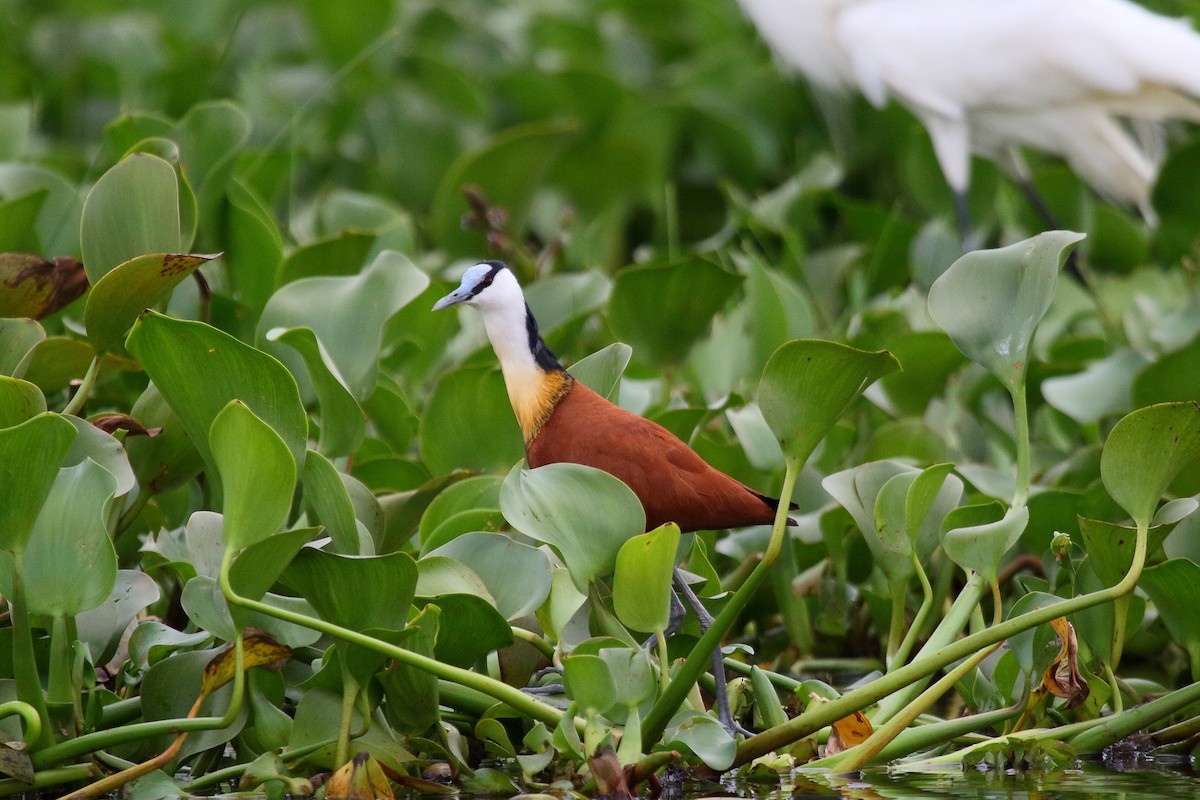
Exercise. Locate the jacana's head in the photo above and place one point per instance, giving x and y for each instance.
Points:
(486, 285)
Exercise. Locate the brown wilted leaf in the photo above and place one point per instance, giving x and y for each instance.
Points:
(360, 779)
(110, 423)
(846, 732)
(1062, 678)
(31, 286)
(259, 649)
(611, 779)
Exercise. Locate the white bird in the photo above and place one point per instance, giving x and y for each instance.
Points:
(988, 76)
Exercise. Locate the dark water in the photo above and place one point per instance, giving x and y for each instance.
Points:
(1162, 779)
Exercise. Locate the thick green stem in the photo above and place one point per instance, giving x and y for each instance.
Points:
(1120, 620)
(822, 714)
(44, 779)
(24, 662)
(533, 639)
(28, 715)
(349, 695)
(701, 655)
(518, 700)
(1118, 726)
(85, 388)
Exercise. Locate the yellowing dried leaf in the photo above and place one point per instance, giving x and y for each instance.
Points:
(259, 650)
(1062, 677)
(360, 779)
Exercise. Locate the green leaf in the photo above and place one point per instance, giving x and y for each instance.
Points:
(507, 169)
(478, 630)
(584, 513)
(464, 404)
(480, 492)
(342, 254)
(990, 301)
(516, 575)
(258, 475)
(589, 683)
(809, 383)
(19, 401)
(981, 546)
(1110, 546)
(356, 592)
(1103, 388)
(1174, 587)
(253, 247)
(108, 453)
(58, 222)
(124, 292)
(1144, 452)
(329, 500)
(642, 581)
(663, 309)
(702, 735)
(601, 371)
(18, 337)
(165, 461)
(256, 568)
(30, 455)
(131, 211)
(342, 424)
(18, 218)
(199, 370)
(69, 563)
(347, 315)
(411, 693)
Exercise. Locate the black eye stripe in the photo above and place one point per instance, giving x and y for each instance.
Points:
(486, 281)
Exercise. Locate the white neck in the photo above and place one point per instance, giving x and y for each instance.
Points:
(503, 307)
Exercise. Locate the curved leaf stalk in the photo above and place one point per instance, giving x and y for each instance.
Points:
(515, 698)
(531, 638)
(111, 783)
(820, 715)
(664, 660)
(1021, 416)
(29, 716)
(949, 628)
(699, 658)
(918, 622)
(44, 779)
(896, 626)
(1120, 621)
(107, 739)
(85, 388)
(24, 662)
(1118, 703)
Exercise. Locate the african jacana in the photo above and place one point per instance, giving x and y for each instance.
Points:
(564, 421)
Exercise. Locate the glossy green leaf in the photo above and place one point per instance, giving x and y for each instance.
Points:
(469, 424)
(930, 497)
(19, 401)
(601, 371)
(1174, 588)
(30, 455)
(442, 575)
(589, 683)
(927, 359)
(1174, 377)
(702, 735)
(642, 580)
(479, 629)
(131, 211)
(18, 337)
(339, 255)
(56, 361)
(980, 547)
(411, 693)
(506, 169)
(347, 315)
(210, 135)
(58, 221)
(584, 513)
(516, 575)
(126, 290)
(253, 248)
(329, 500)
(889, 537)
(808, 384)
(857, 490)
(257, 473)
(663, 309)
(1145, 451)
(356, 592)
(990, 301)
(256, 568)
(199, 370)
(341, 421)
(69, 564)
(108, 453)
(104, 627)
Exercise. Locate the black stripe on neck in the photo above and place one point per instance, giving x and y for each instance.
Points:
(542, 354)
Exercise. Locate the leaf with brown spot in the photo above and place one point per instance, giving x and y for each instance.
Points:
(111, 423)
(847, 732)
(361, 778)
(31, 286)
(120, 296)
(1062, 678)
(259, 649)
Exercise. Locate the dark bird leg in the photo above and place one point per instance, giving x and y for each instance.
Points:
(1048, 217)
(720, 690)
(963, 215)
